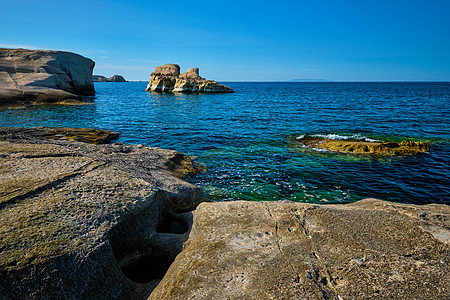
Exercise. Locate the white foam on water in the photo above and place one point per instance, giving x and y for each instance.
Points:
(332, 136)
(321, 150)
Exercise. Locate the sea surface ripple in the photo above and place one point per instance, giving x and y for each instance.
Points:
(244, 139)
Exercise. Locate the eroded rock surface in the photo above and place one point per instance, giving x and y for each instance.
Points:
(167, 78)
(80, 220)
(405, 147)
(43, 76)
(286, 250)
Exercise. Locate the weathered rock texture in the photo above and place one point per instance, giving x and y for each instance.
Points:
(85, 135)
(406, 147)
(43, 76)
(80, 221)
(115, 78)
(285, 250)
(167, 78)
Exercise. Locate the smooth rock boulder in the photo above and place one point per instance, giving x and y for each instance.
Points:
(285, 250)
(43, 76)
(81, 221)
(405, 147)
(167, 78)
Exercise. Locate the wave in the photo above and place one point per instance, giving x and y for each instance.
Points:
(333, 136)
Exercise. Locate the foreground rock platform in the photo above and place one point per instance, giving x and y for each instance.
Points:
(44, 76)
(80, 220)
(405, 147)
(285, 250)
(86, 221)
(167, 78)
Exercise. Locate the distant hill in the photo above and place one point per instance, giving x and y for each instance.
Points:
(309, 80)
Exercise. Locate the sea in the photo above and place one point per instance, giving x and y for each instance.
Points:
(247, 140)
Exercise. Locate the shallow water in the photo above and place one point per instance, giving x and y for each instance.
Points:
(244, 138)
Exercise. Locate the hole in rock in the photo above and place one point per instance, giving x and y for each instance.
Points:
(148, 268)
(169, 224)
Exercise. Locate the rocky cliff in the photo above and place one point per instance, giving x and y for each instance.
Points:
(167, 78)
(83, 221)
(284, 250)
(43, 76)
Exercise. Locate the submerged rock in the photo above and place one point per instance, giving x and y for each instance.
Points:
(167, 78)
(363, 147)
(286, 250)
(82, 221)
(43, 76)
(86, 135)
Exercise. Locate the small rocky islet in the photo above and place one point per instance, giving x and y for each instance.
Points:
(114, 78)
(83, 217)
(167, 78)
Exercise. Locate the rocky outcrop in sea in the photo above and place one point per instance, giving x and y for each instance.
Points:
(43, 76)
(364, 147)
(167, 78)
(114, 78)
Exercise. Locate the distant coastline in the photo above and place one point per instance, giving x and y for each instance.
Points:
(309, 80)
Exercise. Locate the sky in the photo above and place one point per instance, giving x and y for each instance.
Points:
(358, 40)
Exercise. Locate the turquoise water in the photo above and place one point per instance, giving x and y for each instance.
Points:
(244, 138)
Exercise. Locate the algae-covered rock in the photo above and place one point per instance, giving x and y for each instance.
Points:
(79, 220)
(286, 250)
(85, 135)
(378, 148)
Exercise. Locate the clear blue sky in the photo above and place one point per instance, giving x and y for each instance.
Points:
(383, 40)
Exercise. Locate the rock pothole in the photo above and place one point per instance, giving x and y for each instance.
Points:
(148, 268)
(172, 224)
(146, 245)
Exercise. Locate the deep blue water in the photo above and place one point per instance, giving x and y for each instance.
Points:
(244, 138)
